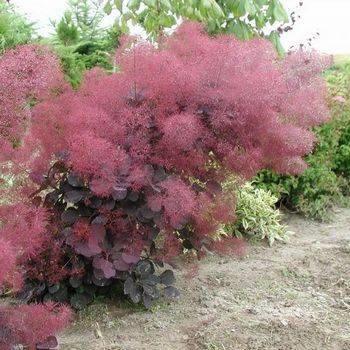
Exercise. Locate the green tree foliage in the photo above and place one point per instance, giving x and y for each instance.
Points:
(66, 30)
(87, 16)
(14, 28)
(244, 18)
(81, 40)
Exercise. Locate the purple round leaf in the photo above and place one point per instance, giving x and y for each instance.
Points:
(95, 202)
(69, 216)
(144, 268)
(75, 180)
(119, 193)
(109, 204)
(129, 285)
(121, 265)
(167, 277)
(98, 231)
(105, 266)
(98, 279)
(80, 301)
(75, 282)
(147, 300)
(51, 343)
(133, 196)
(74, 196)
(171, 292)
(84, 249)
(130, 258)
(155, 205)
(94, 245)
(99, 220)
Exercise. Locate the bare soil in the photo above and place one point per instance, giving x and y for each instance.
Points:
(291, 296)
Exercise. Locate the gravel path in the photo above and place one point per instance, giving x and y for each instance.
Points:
(288, 297)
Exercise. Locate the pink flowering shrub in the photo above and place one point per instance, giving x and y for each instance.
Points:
(27, 73)
(22, 234)
(30, 324)
(128, 168)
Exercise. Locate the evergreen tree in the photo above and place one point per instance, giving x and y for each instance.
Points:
(82, 42)
(14, 28)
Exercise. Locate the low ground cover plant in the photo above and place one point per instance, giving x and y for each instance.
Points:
(118, 177)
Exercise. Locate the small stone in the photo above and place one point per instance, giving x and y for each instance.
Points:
(252, 311)
(203, 312)
(284, 323)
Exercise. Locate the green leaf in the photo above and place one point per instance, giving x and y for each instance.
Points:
(249, 7)
(260, 20)
(119, 5)
(150, 3)
(279, 13)
(134, 5)
(238, 8)
(242, 30)
(124, 25)
(189, 12)
(217, 9)
(108, 8)
(128, 15)
(211, 26)
(166, 4)
(269, 12)
(206, 4)
(261, 3)
(167, 21)
(275, 39)
(150, 23)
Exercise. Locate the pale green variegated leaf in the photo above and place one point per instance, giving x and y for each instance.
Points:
(256, 215)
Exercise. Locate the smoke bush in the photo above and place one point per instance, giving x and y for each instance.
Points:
(128, 168)
(22, 234)
(27, 73)
(30, 324)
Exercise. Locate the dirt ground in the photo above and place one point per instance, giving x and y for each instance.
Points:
(290, 296)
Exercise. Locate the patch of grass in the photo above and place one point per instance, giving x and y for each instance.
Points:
(287, 272)
(94, 312)
(215, 345)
